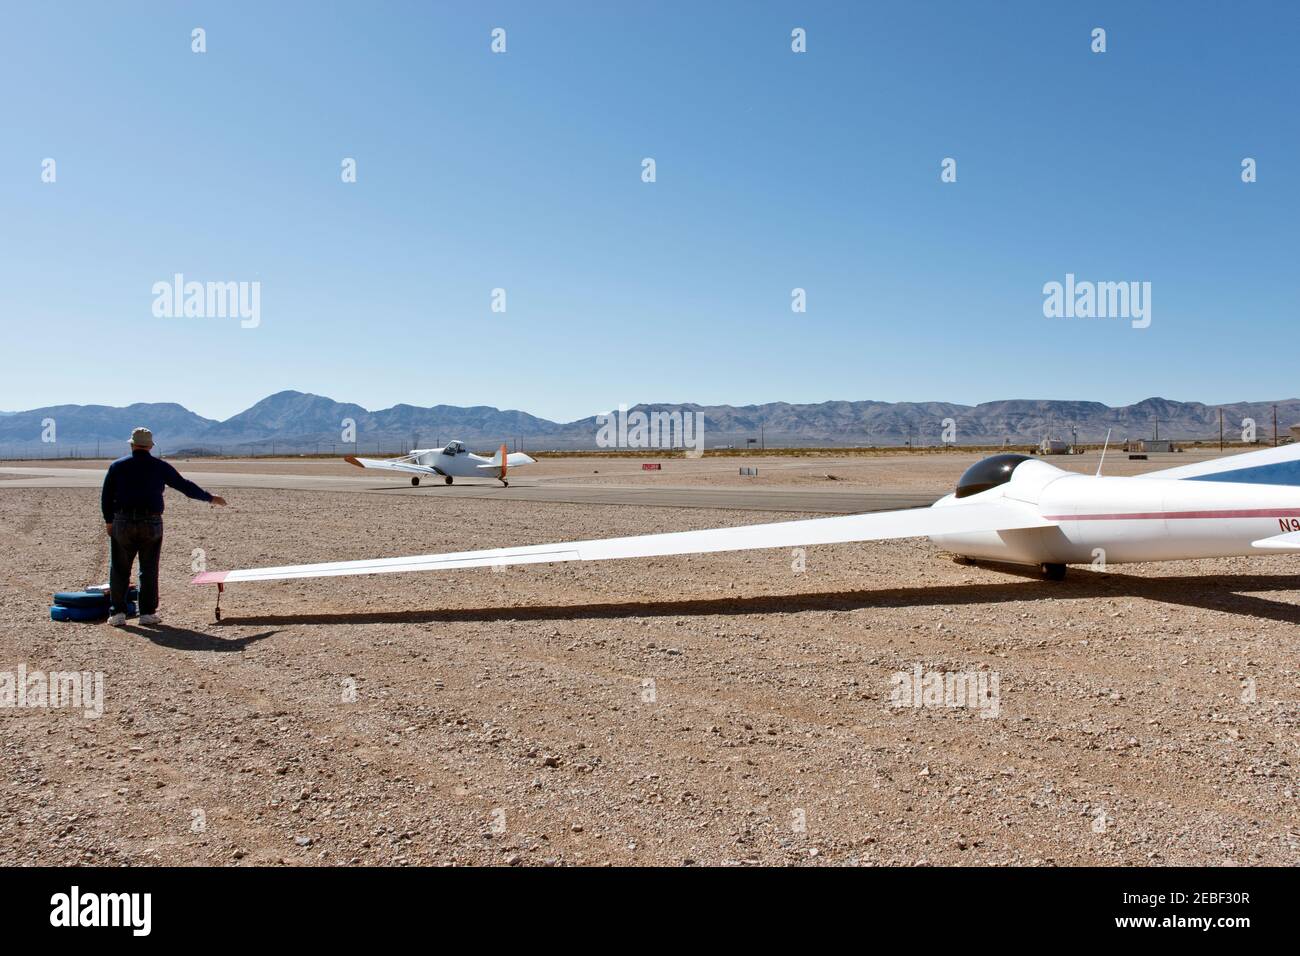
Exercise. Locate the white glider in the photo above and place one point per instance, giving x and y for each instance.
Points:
(454, 461)
(1009, 509)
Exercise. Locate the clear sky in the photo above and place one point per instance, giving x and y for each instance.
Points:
(523, 171)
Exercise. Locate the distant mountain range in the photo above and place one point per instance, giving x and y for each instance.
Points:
(298, 422)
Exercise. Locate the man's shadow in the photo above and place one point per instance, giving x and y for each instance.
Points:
(183, 639)
(1210, 592)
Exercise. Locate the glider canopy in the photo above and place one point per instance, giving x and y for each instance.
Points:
(988, 473)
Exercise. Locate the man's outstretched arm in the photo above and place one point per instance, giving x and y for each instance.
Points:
(174, 479)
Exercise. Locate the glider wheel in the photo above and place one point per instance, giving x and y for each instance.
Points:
(504, 483)
(447, 479)
(415, 482)
(1053, 572)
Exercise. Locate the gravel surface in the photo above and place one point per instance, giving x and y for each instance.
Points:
(718, 709)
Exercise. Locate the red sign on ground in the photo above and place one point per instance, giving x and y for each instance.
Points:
(652, 467)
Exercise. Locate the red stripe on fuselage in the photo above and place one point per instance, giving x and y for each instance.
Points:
(1163, 515)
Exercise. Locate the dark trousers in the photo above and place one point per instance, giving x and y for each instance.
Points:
(132, 538)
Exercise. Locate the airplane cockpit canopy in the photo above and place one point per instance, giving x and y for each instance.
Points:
(455, 448)
(987, 474)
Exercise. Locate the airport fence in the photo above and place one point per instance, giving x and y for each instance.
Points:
(737, 444)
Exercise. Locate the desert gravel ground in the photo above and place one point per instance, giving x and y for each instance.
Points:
(719, 709)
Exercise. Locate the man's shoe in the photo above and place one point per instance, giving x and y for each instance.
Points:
(118, 620)
(150, 619)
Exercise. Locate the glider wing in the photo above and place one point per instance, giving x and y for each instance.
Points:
(878, 526)
(392, 464)
(1279, 542)
(1271, 466)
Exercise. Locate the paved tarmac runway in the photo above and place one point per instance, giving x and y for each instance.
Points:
(746, 499)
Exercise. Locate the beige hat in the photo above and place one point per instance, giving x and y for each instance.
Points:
(142, 438)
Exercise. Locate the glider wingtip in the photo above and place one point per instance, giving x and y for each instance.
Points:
(352, 460)
(210, 577)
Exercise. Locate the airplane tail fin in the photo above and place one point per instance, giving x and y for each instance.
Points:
(505, 460)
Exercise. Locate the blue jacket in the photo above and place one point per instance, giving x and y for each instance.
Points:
(136, 482)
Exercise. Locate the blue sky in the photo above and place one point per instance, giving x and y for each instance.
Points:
(522, 171)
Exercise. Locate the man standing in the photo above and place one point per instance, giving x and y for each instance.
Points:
(132, 502)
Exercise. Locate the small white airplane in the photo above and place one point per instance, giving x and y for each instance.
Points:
(454, 461)
(1009, 509)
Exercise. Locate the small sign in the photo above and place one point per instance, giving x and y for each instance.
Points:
(749, 472)
(654, 466)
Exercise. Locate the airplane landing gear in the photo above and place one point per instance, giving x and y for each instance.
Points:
(447, 479)
(1052, 572)
(504, 483)
(415, 482)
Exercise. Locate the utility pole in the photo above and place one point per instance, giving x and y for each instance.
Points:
(1274, 426)
(1221, 429)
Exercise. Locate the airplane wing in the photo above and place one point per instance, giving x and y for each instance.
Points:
(391, 464)
(513, 460)
(913, 523)
(1270, 466)
(1290, 541)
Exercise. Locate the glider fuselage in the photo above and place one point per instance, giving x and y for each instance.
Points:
(1119, 520)
(464, 464)
(453, 461)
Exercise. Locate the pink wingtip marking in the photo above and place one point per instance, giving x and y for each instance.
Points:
(211, 577)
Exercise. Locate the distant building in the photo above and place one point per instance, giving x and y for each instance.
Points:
(1149, 445)
(1053, 446)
